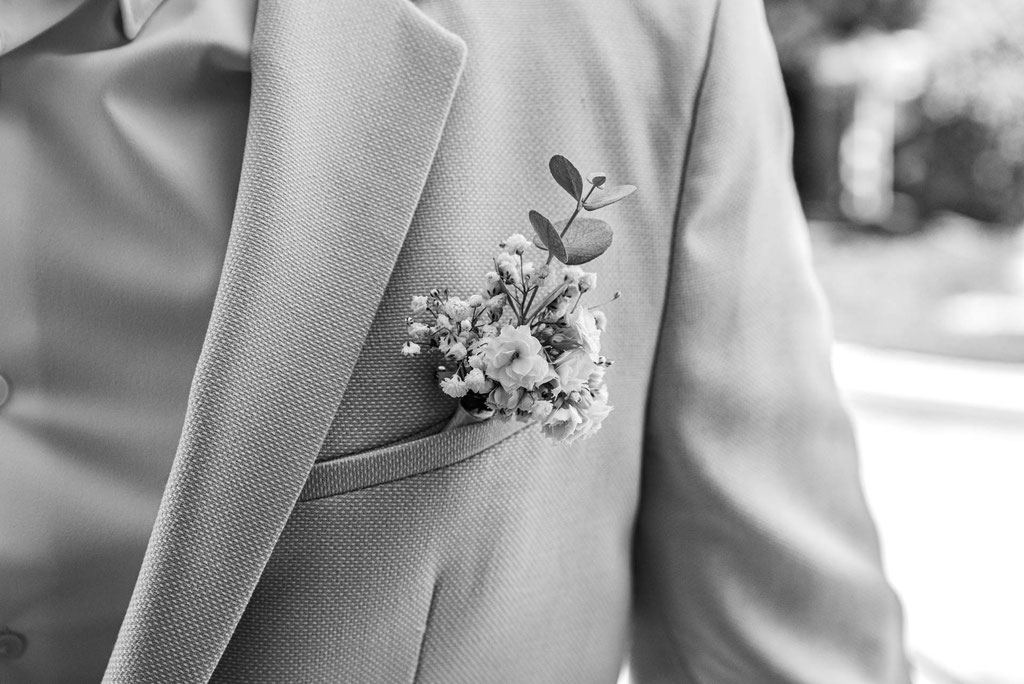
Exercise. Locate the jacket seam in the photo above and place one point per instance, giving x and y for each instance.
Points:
(695, 121)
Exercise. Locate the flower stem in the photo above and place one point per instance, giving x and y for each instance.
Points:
(547, 300)
(575, 213)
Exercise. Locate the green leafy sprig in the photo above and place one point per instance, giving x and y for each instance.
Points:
(576, 240)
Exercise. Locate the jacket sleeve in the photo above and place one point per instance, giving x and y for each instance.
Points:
(755, 556)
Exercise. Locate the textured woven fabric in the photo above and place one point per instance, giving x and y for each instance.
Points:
(510, 566)
(119, 168)
(480, 557)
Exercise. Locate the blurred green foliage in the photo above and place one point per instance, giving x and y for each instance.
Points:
(960, 142)
(978, 66)
(965, 151)
(799, 26)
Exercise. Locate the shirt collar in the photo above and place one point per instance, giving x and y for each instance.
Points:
(23, 20)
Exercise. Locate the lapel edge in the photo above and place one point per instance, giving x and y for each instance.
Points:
(203, 595)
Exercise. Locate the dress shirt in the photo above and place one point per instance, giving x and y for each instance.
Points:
(122, 128)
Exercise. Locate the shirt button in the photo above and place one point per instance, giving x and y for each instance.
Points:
(5, 390)
(12, 645)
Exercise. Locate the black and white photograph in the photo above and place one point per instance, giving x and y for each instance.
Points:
(511, 341)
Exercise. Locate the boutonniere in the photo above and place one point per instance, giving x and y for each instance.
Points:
(525, 346)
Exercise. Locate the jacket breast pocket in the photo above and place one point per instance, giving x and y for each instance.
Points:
(447, 552)
(405, 459)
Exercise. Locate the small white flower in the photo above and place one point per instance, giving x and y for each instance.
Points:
(456, 308)
(410, 349)
(477, 361)
(586, 327)
(454, 387)
(601, 320)
(418, 331)
(456, 352)
(588, 282)
(515, 243)
(573, 274)
(507, 267)
(443, 322)
(419, 304)
(560, 307)
(542, 409)
(477, 382)
(562, 422)
(593, 416)
(475, 301)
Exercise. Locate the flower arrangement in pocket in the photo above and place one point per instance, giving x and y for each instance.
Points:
(525, 346)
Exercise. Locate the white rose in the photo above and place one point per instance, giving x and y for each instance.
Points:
(562, 423)
(573, 368)
(505, 400)
(593, 416)
(586, 327)
(515, 359)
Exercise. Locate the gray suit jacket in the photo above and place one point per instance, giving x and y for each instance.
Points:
(715, 528)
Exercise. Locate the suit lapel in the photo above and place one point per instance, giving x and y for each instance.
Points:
(349, 101)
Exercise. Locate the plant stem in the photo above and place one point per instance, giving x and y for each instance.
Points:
(575, 213)
(533, 296)
(547, 300)
(510, 299)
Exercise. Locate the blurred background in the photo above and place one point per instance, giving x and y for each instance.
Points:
(909, 157)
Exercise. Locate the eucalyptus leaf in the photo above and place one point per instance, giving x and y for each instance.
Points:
(547, 235)
(604, 197)
(585, 240)
(567, 176)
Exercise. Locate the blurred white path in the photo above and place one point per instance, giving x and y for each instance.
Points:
(942, 448)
